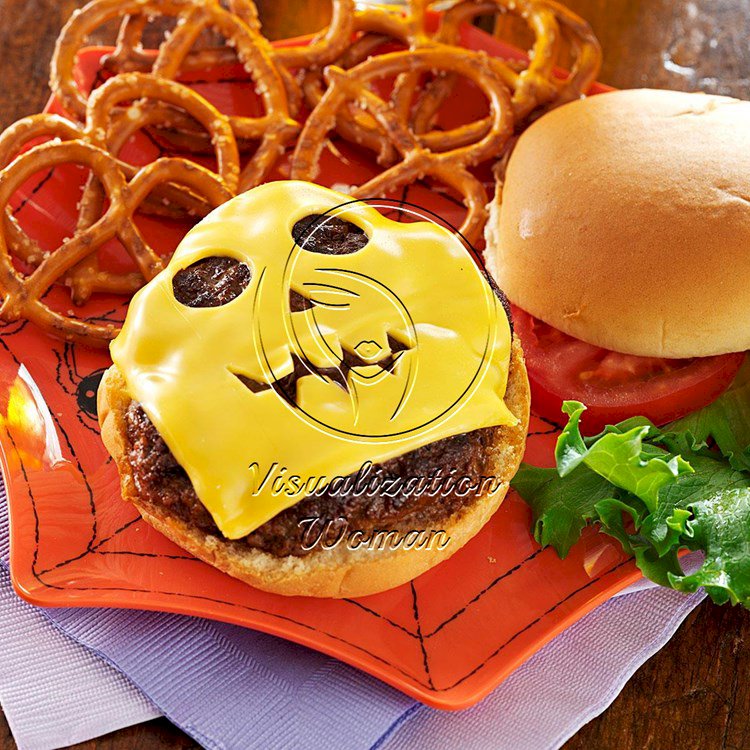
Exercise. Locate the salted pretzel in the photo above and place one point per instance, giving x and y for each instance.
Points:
(165, 201)
(273, 130)
(533, 85)
(111, 132)
(375, 27)
(109, 126)
(325, 47)
(23, 296)
(410, 29)
(129, 56)
(587, 54)
(322, 49)
(417, 161)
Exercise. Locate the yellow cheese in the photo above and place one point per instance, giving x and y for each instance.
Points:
(426, 342)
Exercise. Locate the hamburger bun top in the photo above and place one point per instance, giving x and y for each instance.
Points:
(625, 222)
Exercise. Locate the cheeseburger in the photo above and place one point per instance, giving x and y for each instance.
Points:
(622, 238)
(315, 398)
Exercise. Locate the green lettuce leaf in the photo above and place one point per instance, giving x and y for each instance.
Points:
(720, 528)
(562, 506)
(620, 457)
(669, 522)
(657, 492)
(726, 421)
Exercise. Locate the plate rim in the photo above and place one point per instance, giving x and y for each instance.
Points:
(33, 590)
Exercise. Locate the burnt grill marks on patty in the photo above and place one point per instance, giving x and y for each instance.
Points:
(163, 484)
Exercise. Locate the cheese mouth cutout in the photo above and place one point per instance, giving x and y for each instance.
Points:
(317, 363)
(344, 328)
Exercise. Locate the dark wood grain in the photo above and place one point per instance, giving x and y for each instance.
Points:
(695, 693)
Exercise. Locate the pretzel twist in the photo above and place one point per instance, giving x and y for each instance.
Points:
(417, 161)
(273, 130)
(533, 86)
(109, 126)
(23, 296)
(587, 54)
(324, 48)
(129, 56)
(376, 26)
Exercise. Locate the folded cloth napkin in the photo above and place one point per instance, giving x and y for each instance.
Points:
(53, 691)
(69, 674)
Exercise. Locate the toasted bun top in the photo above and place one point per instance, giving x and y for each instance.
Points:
(625, 221)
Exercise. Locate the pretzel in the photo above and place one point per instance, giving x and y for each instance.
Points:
(534, 85)
(450, 167)
(376, 26)
(274, 129)
(111, 133)
(381, 25)
(109, 127)
(164, 202)
(23, 296)
(129, 56)
(587, 54)
(324, 48)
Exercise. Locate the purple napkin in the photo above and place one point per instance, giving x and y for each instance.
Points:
(229, 687)
(55, 692)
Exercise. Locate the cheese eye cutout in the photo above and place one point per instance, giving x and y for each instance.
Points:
(298, 328)
(210, 282)
(328, 235)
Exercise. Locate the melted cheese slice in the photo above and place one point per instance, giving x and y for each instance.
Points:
(402, 343)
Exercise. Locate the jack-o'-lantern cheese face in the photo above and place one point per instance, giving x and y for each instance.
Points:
(333, 337)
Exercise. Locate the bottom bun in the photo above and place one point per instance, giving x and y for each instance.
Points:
(340, 571)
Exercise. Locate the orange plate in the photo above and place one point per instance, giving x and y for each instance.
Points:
(447, 639)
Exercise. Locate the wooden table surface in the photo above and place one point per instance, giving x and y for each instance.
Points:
(695, 693)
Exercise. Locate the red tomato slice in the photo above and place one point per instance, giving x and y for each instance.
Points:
(615, 386)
